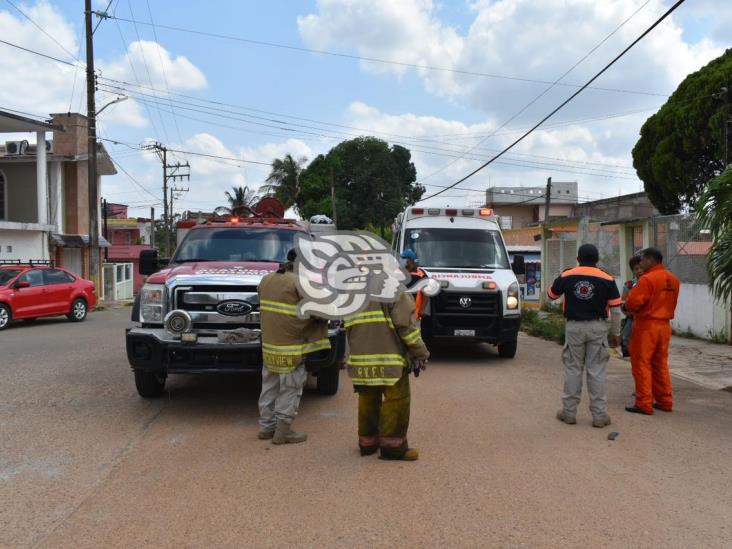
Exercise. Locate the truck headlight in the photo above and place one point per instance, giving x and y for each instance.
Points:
(512, 301)
(151, 304)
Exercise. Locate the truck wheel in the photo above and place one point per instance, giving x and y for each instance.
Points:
(5, 316)
(507, 349)
(149, 385)
(328, 380)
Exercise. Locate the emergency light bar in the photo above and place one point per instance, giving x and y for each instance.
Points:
(452, 212)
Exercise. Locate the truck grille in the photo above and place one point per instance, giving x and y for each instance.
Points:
(467, 304)
(203, 302)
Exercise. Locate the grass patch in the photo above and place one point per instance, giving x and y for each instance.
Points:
(547, 326)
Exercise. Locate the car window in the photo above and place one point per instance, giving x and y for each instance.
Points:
(6, 275)
(35, 277)
(57, 276)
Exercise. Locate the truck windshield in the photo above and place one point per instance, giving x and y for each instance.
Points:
(235, 244)
(457, 248)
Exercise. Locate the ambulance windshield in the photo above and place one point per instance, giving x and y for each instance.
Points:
(457, 248)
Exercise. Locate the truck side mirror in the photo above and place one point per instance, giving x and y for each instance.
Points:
(519, 265)
(149, 262)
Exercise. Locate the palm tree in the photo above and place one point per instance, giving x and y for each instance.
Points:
(241, 196)
(714, 212)
(283, 181)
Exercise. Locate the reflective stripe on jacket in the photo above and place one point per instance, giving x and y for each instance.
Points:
(379, 338)
(286, 339)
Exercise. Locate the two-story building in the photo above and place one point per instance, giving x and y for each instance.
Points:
(519, 207)
(44, 199)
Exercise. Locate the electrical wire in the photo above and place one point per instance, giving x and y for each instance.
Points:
(570, 98)
(374, 59)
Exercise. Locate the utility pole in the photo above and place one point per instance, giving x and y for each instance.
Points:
(173, 192)
(173, 172)
(92, 149)
(547, 199)
(333, 198)
(105, 228)
(152, 227)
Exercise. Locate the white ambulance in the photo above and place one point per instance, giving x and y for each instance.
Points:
(463, 249)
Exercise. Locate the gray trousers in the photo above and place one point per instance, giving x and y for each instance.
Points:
(586, 348)
(280, 397)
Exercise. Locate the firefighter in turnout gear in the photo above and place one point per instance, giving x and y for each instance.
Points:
(286, 341)
(384, 341)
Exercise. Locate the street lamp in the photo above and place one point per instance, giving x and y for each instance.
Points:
(118, 100)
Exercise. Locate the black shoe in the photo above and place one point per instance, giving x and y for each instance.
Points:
(636, 410)
(657, 406)
(369, 451)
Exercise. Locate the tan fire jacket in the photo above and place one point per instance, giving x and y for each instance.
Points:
(379, 339)
(286, 339)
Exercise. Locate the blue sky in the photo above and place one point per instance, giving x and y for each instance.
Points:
(441, 115)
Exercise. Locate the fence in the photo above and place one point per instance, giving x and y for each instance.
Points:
(117, 281)
(607, 239)
(684, 245)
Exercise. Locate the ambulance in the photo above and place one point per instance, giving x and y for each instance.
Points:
(463, 249)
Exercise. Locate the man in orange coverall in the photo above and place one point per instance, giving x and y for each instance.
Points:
(653, 302)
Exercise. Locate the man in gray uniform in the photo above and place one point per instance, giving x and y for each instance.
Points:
(589, 293)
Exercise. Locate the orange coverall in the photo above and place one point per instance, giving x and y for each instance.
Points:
(419, 298)
(653, 302)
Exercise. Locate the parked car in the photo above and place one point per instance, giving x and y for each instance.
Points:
(33, 291)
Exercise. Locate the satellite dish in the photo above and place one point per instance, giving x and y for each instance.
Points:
(270, 207)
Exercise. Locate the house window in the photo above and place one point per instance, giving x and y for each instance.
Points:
(506, 222)
(3, 198)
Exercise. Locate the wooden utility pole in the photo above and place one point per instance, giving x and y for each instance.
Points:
(152, 227)
(333, 198)
(547, 199)
(92, 149)
(174, 174)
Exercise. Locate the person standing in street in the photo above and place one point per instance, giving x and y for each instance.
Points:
(588, 294)
(653, 303)
(416, 274)
(383, 341)
(286, 341)
(627, 327)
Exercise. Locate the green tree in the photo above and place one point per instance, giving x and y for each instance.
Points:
(682, 146)
(241, 196)
(714, 212)
(283, 181)
(373, 183)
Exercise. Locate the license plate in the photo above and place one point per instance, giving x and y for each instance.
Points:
(465, 333)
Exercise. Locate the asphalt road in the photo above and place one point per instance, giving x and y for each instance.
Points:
(84, 462)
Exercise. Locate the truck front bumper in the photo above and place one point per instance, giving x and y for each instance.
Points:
(493, 330)
(155, 350)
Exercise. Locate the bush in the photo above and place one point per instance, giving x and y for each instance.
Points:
(549, 326)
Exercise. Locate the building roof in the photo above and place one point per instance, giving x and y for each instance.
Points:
(12, 123)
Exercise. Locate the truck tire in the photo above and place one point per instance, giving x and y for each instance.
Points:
(149, 385)
(328, 380)
(507, 349)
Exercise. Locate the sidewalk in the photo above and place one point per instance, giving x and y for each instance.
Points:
(701, 362)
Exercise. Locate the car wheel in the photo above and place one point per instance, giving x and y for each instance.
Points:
(149, 385)
(78, 311)
(5, 316)
(507, 349)
(328, 380)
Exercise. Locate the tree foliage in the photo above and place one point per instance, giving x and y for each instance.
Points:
(373, 183)
(682, 146)
(714, 212)
(241, 196)
(283, 181)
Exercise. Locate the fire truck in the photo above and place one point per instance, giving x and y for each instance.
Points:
(209, 288)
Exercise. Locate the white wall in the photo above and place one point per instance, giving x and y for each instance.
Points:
(26, 245)
(697, 311)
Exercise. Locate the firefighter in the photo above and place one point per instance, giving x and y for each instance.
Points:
(384, 341)
(652, 301)
(588, 295)
(410, 263)
(286, 341)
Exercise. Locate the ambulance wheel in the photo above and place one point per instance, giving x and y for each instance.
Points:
(507, 349)
(328, 380)
(149, 385)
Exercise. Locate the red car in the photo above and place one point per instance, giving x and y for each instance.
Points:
(33, 291)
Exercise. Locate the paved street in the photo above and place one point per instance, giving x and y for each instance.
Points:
(84, 462)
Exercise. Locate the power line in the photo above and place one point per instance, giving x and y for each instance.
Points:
(135, 181)
(180, 151)
(373, 59)
(545, 91)
(570, 98)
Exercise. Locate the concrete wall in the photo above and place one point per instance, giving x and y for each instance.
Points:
(521, 215)
(26, 245)
(631, 206)
(698, 312)
(20, 179)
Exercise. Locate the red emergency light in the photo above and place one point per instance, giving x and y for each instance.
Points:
(234, 220)
(451, 212)
(417, 211)
(486, 211)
